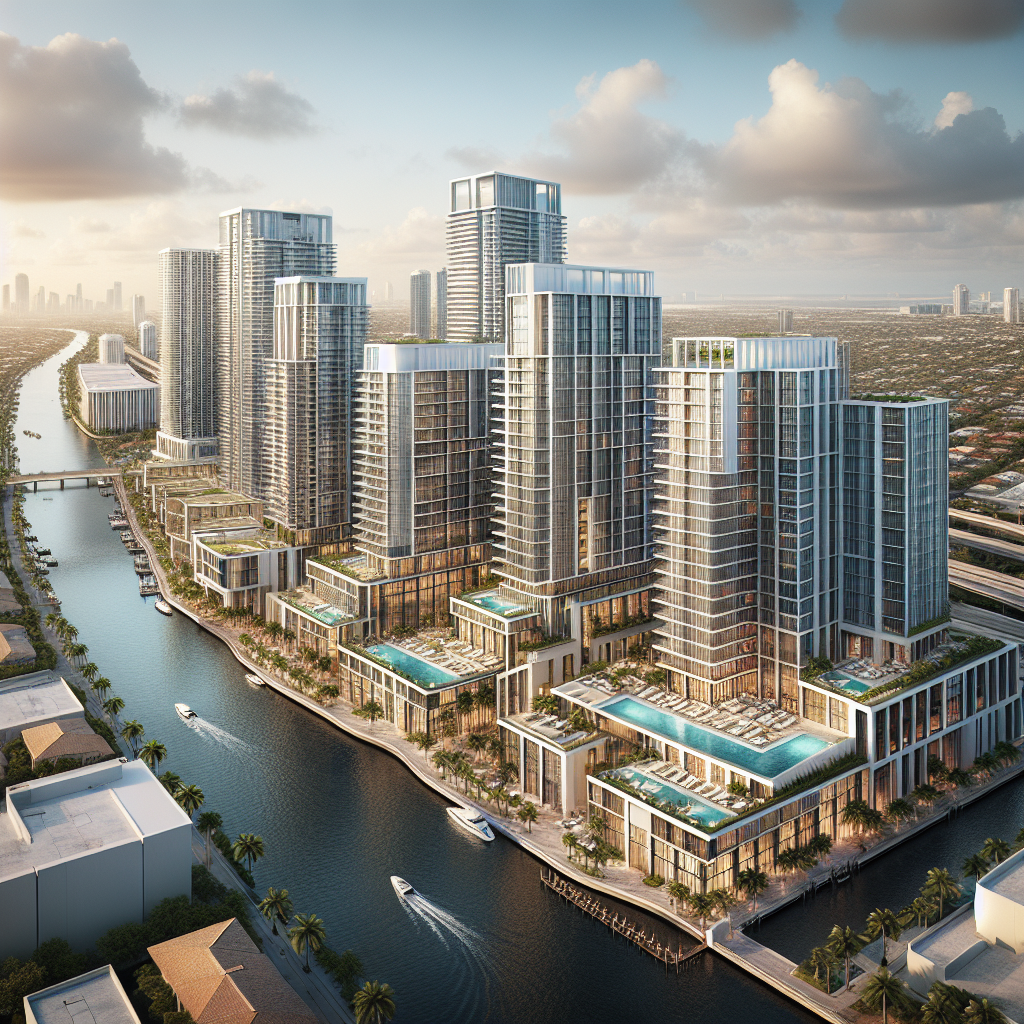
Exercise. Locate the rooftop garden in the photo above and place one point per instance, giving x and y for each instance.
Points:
(355, 568)
(888, 398)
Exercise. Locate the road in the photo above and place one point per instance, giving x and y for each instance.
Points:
(981, 620)
(995, 546)
(995, 585)
(990, 523)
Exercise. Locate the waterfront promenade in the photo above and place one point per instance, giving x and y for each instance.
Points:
(618, 881)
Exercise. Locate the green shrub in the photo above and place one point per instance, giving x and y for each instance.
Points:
(59, 961)
(654, 881)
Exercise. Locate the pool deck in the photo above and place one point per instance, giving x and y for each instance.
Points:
(446, 655)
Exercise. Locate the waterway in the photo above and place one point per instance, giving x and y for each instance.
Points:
(339, 817)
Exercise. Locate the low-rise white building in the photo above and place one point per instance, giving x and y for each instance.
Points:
(94, 996)
(32, 700)
(86, 850)
(114, 397)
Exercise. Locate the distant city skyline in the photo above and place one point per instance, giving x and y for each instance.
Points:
(915, 184)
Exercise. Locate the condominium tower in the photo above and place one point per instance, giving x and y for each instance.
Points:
(441, 306)
(495, 220)
(1011, 305)
(419, 304)
(961, 300)
(138, 309)
(188, 394)
(320, 328)
(256, 248)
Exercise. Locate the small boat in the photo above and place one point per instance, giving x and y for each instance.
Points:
(49, 560)
(254, 680)
(164, 608)
(185, 712)
(42, 551)
(402, 887)
(471, 821)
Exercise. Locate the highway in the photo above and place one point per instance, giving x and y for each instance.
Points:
(1011, 529)
(995, 546)
(981, 620)
(1008, 590)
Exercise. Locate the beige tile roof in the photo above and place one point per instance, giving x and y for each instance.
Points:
(69, 738)
(222, 978)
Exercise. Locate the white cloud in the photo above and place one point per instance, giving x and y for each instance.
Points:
(71, 120)
(22, 230)
(954, 104)
(608, 146)
(258, 106)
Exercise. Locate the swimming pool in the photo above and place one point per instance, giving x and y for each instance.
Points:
(705, 813)
(845, 682)
(493, 603)
(766, 763)
(416, 668)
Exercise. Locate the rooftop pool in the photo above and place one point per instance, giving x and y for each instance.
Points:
(703, 812)
(493, 603)
(845, 682)
(766, 763)
(416, 668)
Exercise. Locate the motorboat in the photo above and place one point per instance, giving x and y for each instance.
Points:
(402, 887)
(471, 821)
(164, 608)
(185, 712)
(42, 551)
(254, 680)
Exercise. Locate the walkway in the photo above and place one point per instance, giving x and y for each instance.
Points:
(66, 474)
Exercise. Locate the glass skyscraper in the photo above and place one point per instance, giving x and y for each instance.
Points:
(494, 220)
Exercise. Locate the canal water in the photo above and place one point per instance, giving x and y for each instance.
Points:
(338, 817)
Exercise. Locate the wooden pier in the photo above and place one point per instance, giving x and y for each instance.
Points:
(621, 926)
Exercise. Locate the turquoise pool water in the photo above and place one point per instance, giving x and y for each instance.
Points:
(766, 763)
(845, 682)
(705, 813)
(420, 670)
(493, 603)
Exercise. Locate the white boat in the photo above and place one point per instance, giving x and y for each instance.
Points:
(471, 821)
(164, 608)
(185, 712)
(254, 680)
(402, 887)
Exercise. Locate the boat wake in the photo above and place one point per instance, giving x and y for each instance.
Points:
(443, 923)
(219, 735)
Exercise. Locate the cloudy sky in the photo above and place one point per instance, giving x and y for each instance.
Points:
(742, 146)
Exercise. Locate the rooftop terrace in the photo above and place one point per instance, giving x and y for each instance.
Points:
(315, 607)
(492, 601)
(355, 566)
(431, 659)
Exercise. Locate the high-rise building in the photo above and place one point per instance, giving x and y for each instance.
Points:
(79, 305)
(138, 309)
(111, 349)
(41, 299)
(188, 392)
(389, 291)
(147, 340)
(320, 326)
(21, 294)
(961, 300)
(441, 306)
(71, 306)
(1011, 305)
(256, 248)
(116, 298)
(53, 303)
(496, 220)
(419, 304)
(785, 321)
(110, 299)
(7, 298)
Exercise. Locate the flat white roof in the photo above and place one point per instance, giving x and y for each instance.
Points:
(113, 377)
(95, 996)
(447, 355)
(28, 700)
(65, 815)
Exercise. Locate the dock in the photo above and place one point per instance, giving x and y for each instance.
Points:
(148, 586)
(650, 944)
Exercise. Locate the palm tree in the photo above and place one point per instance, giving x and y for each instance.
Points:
(131, 733)
(528, 814)
(925, 794)
(823, 958)
(975, 866)
(374, 1003)
(208, 823)
(371, 711)
(945, 1004)
(276, 906)
(940, 884)
(845, 944)
(274, 630)
(885, 990)
(960, 777)
(1006, 752)
(170, 782)
(249, 848)
(113, 706)
(477, 742)
(570, 842)
(90, 670)
(189, 798)
(884, 923)
(678, 892)
(288, 636)
(422, 740)
(899, 810)
(752, 883)
(981, 1011)
(153, 753)
(702, 904)
(307, 933)
(996, 849)
(508, 772)
(987, 763)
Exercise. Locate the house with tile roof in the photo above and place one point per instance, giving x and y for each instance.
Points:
(71, 738)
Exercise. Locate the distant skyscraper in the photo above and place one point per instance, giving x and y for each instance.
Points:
(494, 220)
(320, 326)
(79, 305)
(147, 340)
(961, 300)
(41, 299)
(138, 309)
(21, 294)
(7, 298)
(110, 298)
(441, 306)
(256, 247)
(188, 290)
(1011, 305)
(117, 297)
(419, 303)
(785, 321)
(389, 291)
(53, 303)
